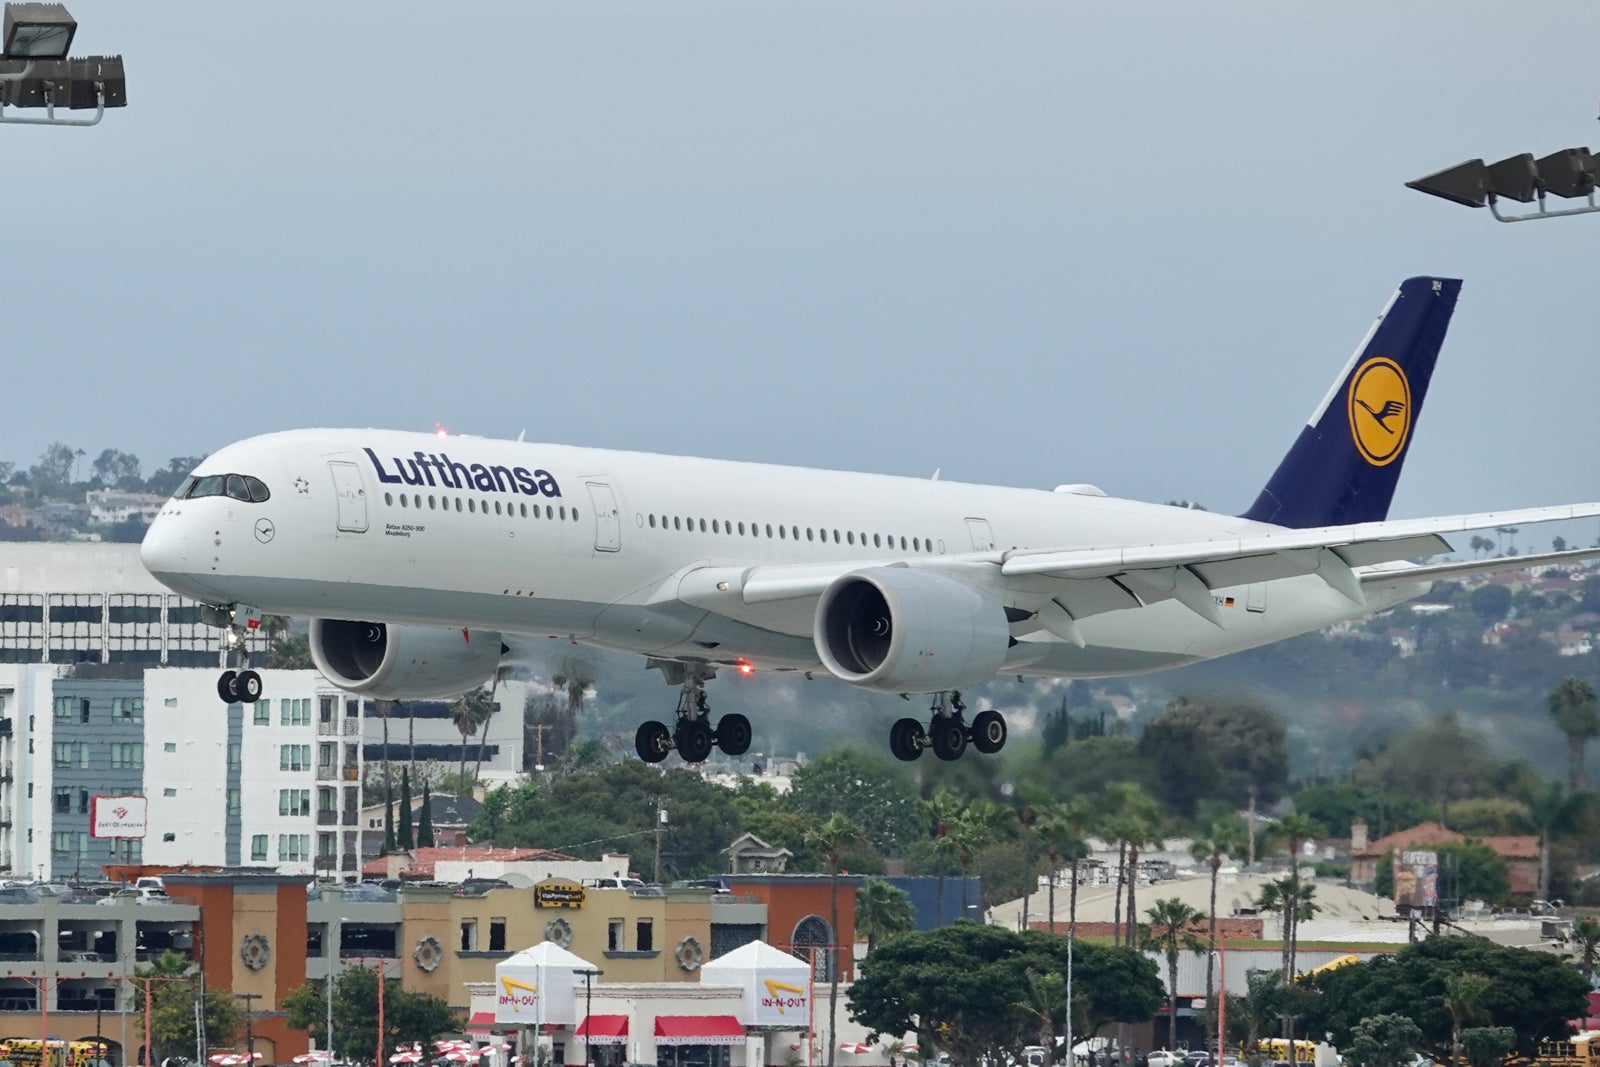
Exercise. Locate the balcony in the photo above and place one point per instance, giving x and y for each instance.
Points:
(325, 863)
(6, 771)
(327, 728)
(327, 773)
(5, 727)
(352, 772)
(327, 817)
(349, 817)
(352, 727)
(348, 863)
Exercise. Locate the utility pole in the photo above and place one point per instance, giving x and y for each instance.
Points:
(661, 829)
(538, 729)
(249, 1022)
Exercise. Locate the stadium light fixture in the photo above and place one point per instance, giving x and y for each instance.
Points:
(38, 31)
(1571, 173)
(36, 72)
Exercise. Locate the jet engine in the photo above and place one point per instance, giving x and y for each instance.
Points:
(390, 662)
(899, 630)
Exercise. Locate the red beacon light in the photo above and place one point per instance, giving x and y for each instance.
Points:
(745, 668)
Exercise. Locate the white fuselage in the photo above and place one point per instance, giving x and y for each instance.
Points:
(594, 546)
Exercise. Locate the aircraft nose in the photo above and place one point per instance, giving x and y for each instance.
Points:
(165, 549)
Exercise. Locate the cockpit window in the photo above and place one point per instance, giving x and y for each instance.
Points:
(238, 486)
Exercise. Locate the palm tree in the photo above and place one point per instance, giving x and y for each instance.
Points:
(1552, 811)
(573, 674)
(1045, 1002)
(1061, 827)
(941, 813)
(1294, 830)
(831, 839)
(1171, 929)
(1134, 820)
(1291, 898)
(1463, 1002)
(468, 714)
(1573, 706)
(1226, 838)
(385, 707)
(1585, 939)
(976, 828)
(882, 911)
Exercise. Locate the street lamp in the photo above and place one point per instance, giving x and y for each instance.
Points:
(589, 975)
(1571, 173)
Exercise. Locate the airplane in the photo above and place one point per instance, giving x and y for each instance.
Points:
(424, 560)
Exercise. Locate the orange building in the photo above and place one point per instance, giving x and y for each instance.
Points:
(798, 910)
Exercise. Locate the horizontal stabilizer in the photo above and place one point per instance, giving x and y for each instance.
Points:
(1431, 572)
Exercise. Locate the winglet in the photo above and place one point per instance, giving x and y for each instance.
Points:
(1345, 464)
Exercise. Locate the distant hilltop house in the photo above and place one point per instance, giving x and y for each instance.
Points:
(750, 855)
(1521, 852)
(111, 506)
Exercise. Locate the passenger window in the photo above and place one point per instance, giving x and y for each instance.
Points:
(458, 503)
(716, 527)
(652, 522)
(850, 536)
(388, 500)
(769, 529)
(574, 514)
(472, 505)
(741, 529)
(549, 511)
(677, 524)
(563, 513)
(402, 500)
(916, 544)
(497, 507)
(258, 489)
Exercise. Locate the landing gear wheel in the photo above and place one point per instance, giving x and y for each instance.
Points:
(948, 735)
(989, 732)
(907, 739)
(248, 686)
(652, 742)
(734, 735)
(693, 739)
(228, 687)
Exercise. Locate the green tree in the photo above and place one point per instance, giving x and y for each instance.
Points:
(1383, 1041)
(1573, 707)
(1584, 940)
(425, 824)
(1133, 819)
(1169, 931)
(117, 470)
(1490, 603)
(940, 813)
(1471, 870)
(831, 839)
(1227, 837)
(1239, 744)
(1487, 1046)
(1552, 812)
(407, 1017)
(961, 988)
(52, 475)
(866, 789)
(1062, 827)
(173, 995)
(405, 840)
(1463, 1002)
(882, 911)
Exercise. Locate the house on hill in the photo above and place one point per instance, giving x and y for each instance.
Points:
(1521, 852)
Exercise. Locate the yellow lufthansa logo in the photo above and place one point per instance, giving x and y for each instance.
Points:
(1380, 410)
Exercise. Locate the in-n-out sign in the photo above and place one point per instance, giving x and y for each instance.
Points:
(517, 995)
(782, 996)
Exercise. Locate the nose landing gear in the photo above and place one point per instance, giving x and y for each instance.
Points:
(947, 733)
(694, 736)
(241, 686)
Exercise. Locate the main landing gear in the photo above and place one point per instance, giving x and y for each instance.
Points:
(241, 686)
(694, 736)
(947, 733)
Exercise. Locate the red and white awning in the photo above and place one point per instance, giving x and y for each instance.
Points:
(606, 1029)
(698, 1030)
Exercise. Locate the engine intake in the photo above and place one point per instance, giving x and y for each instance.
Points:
(403, 662)
(899, 630)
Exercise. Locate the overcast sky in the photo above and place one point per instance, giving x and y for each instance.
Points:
(1027, 243)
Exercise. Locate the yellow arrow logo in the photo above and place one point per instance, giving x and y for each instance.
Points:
(774, 987)
(507, 984)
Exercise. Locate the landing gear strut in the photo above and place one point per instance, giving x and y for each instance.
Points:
(694, 736)
(242, 686)
(947, 733)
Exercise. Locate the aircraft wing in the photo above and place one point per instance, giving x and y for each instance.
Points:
(1069, 584)
(1428, 572)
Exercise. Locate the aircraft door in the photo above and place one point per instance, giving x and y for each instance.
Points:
(982, 536)
(1255, 597)
(352, 496)
(607, 520)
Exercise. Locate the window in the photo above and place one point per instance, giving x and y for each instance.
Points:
(64, 753)
(233, 755)
(127, 709)
(169, 791)
(294, 712)
(644, 936)
(127, 754)
(169, 837)
(469, 935)
(258, 847)
(294, 757)
(63, 799)
(263, 715)
(83, 710)
(616, 935)
(497, 935)
(294, 802)
(63, 709)
(233, 802)
(293, 847)
(170, 702)
(171, 746)
(83, 802)
(61, 842)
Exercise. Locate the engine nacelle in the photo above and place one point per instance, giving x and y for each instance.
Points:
(390, 662)
(899, 630)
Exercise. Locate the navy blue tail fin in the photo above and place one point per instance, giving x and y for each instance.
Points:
(1345, 463)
